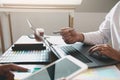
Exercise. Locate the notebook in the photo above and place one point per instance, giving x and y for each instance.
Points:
(80, 51)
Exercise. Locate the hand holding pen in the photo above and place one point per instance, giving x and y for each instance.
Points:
(38, 32)
(70, 36)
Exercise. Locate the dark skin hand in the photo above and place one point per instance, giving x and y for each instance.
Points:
(37, 37)
(5, 71)
(106, 50)
(70, 36)
(39, 33)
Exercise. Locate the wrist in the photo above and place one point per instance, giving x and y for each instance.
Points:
(80, 37)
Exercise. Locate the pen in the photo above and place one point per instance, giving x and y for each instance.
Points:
(30, 25)
(56, 32)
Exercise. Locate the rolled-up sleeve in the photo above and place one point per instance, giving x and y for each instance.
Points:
(101, 36)
(94, 38)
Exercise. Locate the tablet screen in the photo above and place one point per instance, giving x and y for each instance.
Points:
(63, 68)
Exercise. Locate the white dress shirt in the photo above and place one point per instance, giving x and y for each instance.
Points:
(109, 30)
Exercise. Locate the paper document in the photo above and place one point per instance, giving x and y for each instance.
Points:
(27, 40)
(56, 40)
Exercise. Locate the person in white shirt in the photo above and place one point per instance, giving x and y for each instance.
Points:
(108, 31)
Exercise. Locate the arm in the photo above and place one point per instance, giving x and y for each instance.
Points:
(97, 37)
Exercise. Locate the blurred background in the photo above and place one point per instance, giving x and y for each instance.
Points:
(87, 17)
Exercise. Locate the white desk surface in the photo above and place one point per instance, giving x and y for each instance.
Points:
(102, 73)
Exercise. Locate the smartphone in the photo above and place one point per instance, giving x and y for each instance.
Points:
(67, 67)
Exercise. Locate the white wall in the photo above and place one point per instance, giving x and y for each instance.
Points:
(51, 21)
(83, 22)
(5, 28)
(88, 17)
(90, 21)
(96, 5)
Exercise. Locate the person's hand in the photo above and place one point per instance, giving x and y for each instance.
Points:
(70, 36)
(39, 33)
(106, 50)
(5, 71)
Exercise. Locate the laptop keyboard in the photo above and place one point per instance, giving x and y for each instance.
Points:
(69, 50)
(28, 56)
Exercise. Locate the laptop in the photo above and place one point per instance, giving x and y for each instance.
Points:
(80, 51)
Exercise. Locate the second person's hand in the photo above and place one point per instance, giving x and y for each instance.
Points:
(39, 33)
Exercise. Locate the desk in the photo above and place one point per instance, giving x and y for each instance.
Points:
(102, 73)
(101, 69)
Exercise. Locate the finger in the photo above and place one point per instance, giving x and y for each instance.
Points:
(9, 76)
(66, 28)
(97, 50)
(92, 49)
(66, 35)
(71, 29)
(66, 31)
(66, 38)
(66, 41)
(38, 38)
(14, 67)
(72, 32)
(69, 40)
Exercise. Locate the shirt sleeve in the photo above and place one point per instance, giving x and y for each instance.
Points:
(101, 36)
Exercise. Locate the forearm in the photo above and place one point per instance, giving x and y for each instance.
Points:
(116, 56)
(94, 38)
(89, 38)
(80, 37)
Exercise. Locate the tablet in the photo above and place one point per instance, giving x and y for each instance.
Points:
(67, 67)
